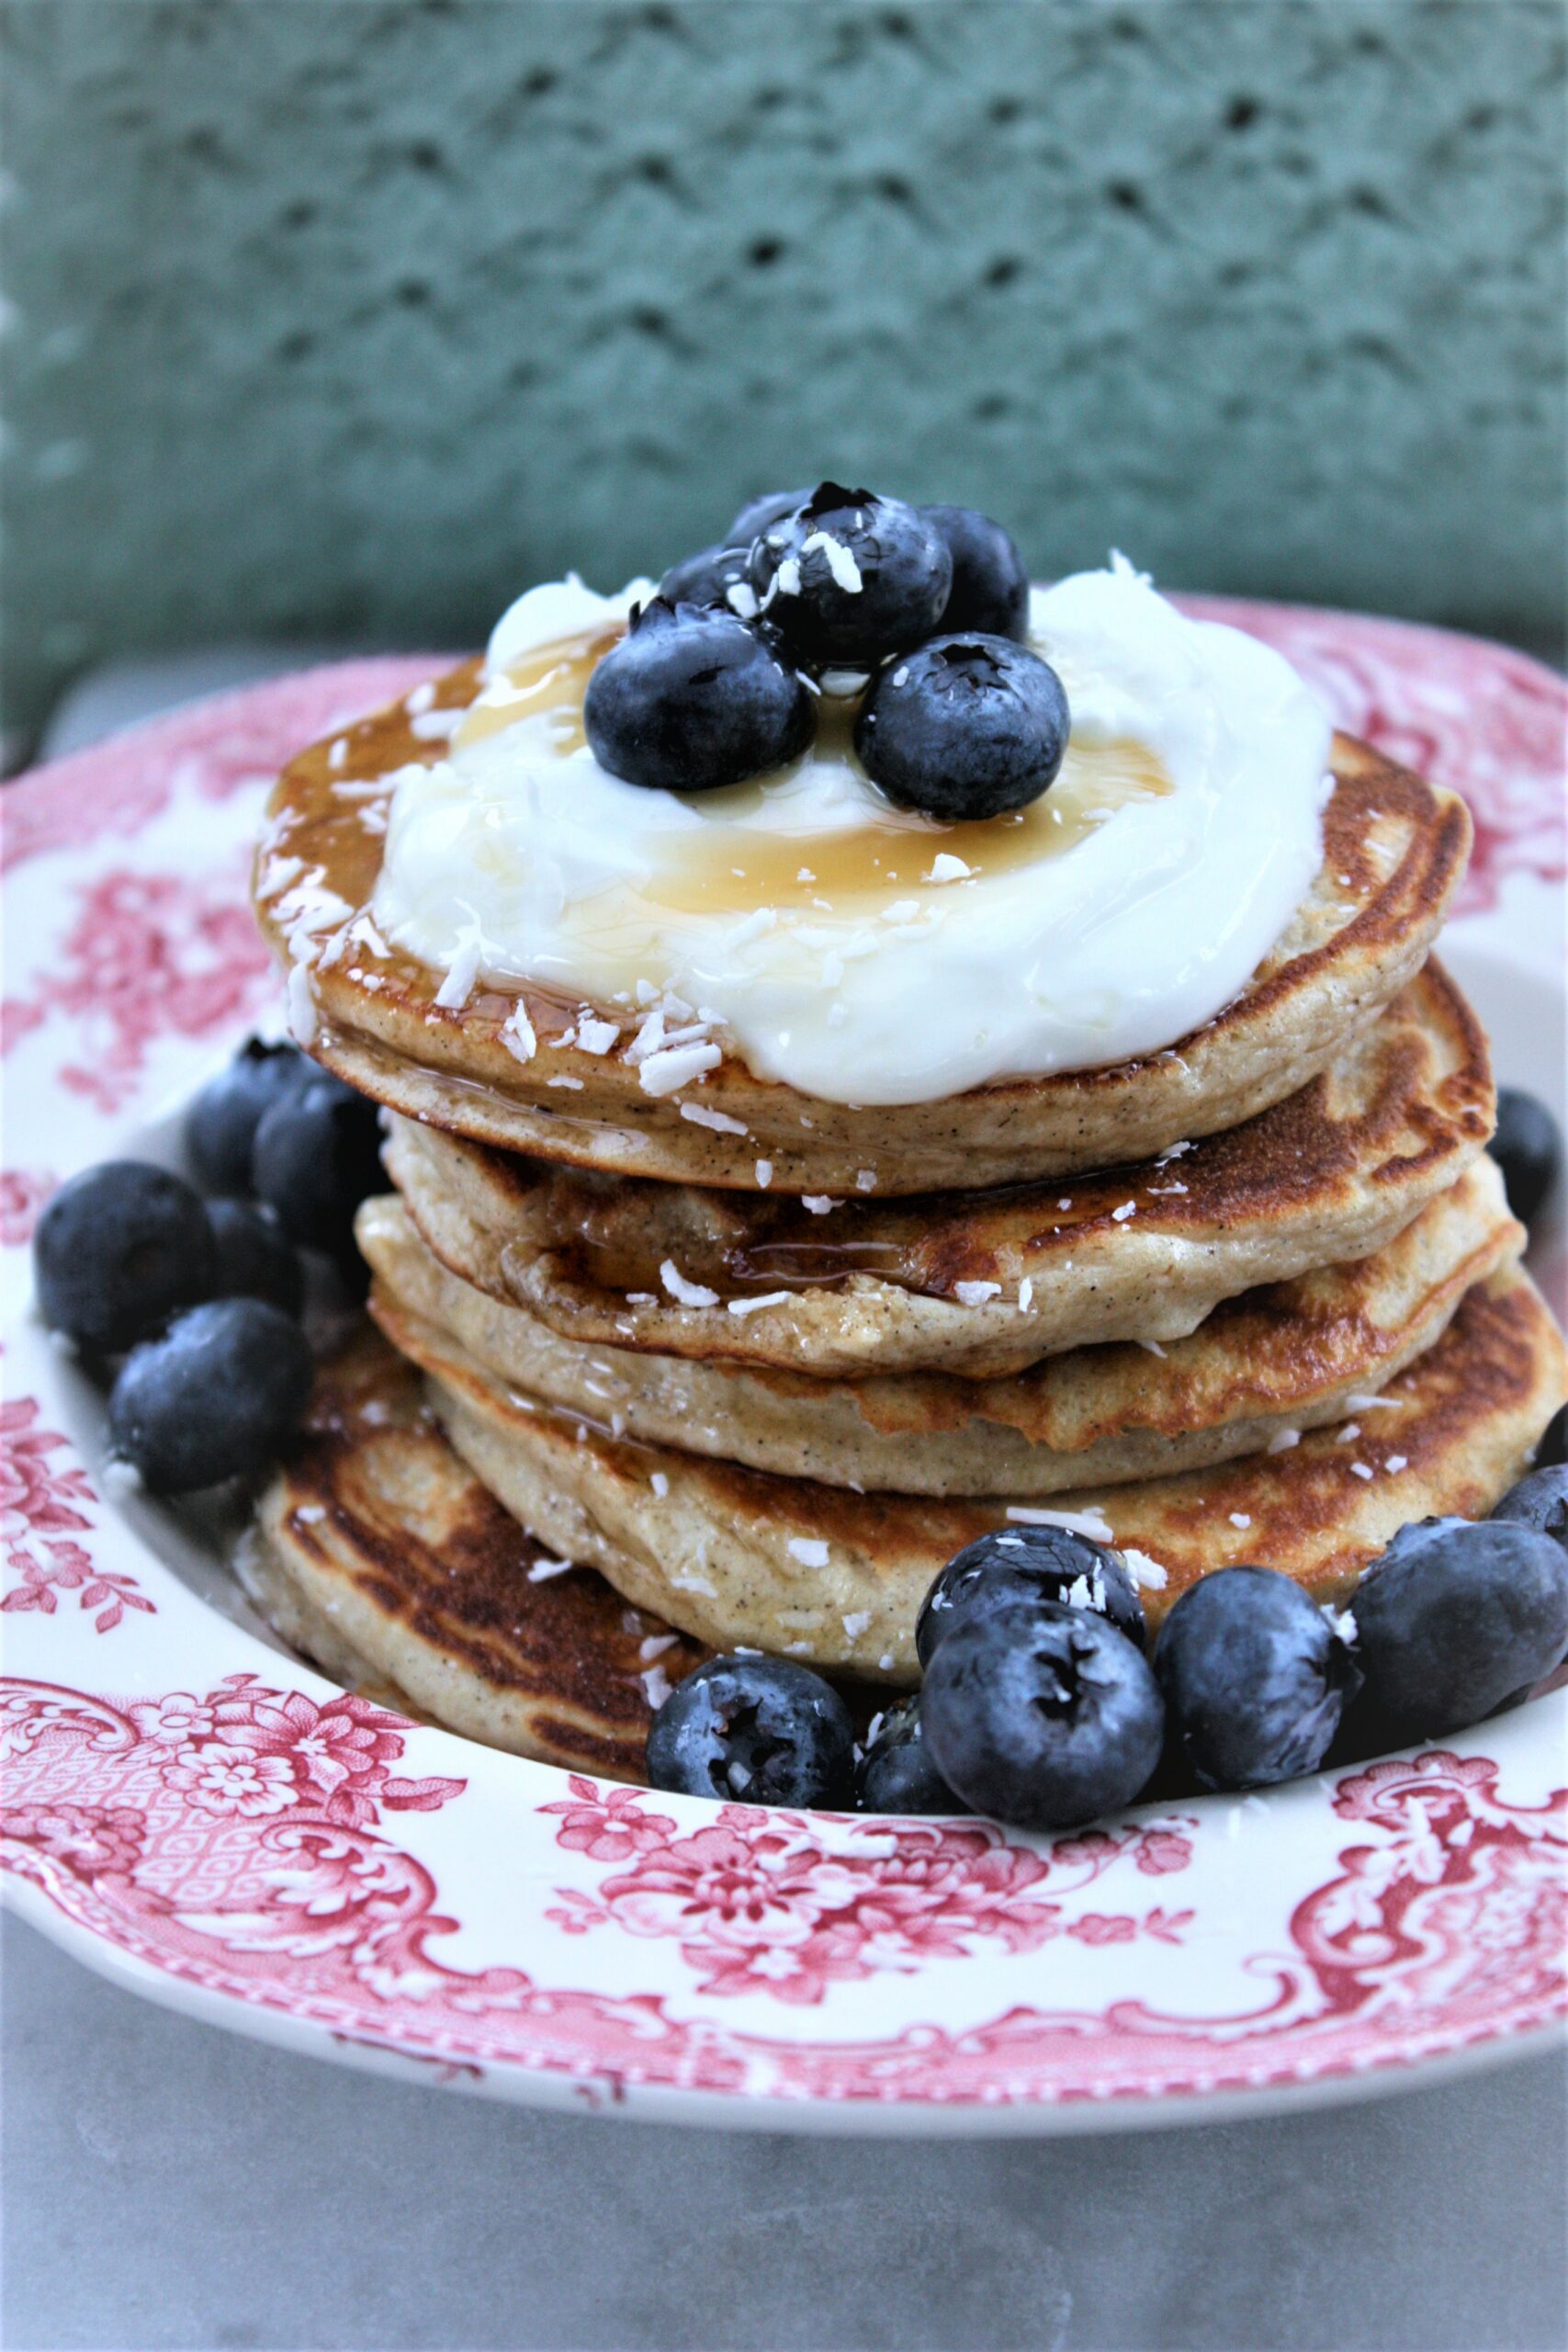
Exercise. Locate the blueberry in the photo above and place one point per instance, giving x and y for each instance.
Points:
(709, 578)
(217, 1397)
(757, 513)
(990, 586)
(1041, 1715)
(896, 1773)
(254, 1260)
(964, 727)
(849, 577)
(1255, 1678)
(1540, 1501)
(1527, 1147)
(691, 698)
(222, 1122)
(1554, 1445)
(1028, 1564)
(118, 1250)
(318, 1153)
(1456, 1619)
(758, 1729)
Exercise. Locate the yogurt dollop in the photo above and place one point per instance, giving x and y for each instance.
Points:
(864, 956)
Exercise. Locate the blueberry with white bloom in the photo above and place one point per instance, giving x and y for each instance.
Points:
(120, 1250)
(691, 698)
(897, 1772)
(1540, 1501)
(1041, 1715)
(964, 726)
(756, 1730)
(316, 1157)
(757, 513)
(1255, 1678)
(849, 577)
(1527, 1147)
(709, 576)
(1456, 1619)
(1027, 1564)
(217, 1397)
(253, 1258)
(991, 585)
(222, 1119)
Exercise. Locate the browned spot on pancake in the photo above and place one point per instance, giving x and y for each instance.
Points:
(455, 1572)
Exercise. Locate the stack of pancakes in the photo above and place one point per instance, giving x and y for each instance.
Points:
(758, 1364)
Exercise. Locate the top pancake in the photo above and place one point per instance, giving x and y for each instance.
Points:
(1394, 850)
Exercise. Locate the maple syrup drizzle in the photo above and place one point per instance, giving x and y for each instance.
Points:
(740, 867)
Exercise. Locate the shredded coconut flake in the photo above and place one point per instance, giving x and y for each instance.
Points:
(840, 561)
(517, 1035)
(945, 868)
(809, 1550)
(1151, 1347)
(764, 1174)
(1147, 1574)
(719, 1121)
(685, 1293)
(659, 1483)
(856, 1624)
(1360, 1470)
(1127, 1209)
(459, 984)
(865, 1179)
(542, 1570)
(301, 1006)
(1395, 1464)
(1282, 1441)
(974, 1293)
(664, 1073)
(121, 1480)
(1347, 1436)
(596, 1037)
(750, 1306)
(655, 1645)
(419, 698)
(1092, 1523)
(656, 1687)
(1240, 1519)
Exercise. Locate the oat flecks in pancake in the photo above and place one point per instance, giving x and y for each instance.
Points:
(380, 1554)
(1144, 1252)
(1274, 1361)
(1395, 851)
(707, 1543)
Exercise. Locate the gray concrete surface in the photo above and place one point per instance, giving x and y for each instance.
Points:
(169, 2185)
(356, 315)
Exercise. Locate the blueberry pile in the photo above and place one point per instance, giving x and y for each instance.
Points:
(1043, 1705)
(191, 1307)
(920, 611)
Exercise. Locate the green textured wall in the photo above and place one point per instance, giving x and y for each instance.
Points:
(350, 316)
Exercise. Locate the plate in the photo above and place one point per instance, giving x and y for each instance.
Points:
(200, 1815)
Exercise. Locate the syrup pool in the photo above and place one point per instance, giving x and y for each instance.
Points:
(741, 863)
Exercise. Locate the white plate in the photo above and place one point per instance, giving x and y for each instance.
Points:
(195, 1813)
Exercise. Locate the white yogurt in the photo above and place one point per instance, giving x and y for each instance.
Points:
(514, 862)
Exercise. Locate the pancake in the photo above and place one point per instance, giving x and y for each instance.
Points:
(981, 1285)
(379, 1555)
(1394, 850)
(1289, 1356)
(793, 1565)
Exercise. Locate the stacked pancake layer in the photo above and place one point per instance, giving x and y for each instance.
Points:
(764, 1365)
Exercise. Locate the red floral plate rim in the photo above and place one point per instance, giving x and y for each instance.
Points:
(188, 1808)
